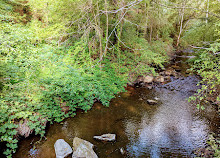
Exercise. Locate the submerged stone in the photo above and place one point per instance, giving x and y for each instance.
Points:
(62, 148)
(106, 137)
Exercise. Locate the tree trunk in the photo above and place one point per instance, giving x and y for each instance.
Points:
(207, 12)
(106, 35)
(181, 24)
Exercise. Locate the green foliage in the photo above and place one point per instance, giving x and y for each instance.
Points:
(61, 55)
(207, 66)
(214, 145)
(41, 82)
(199, 34)
(139, 56)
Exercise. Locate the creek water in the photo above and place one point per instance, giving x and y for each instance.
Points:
(172, 128)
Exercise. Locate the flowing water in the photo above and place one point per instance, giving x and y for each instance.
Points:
(172, 128)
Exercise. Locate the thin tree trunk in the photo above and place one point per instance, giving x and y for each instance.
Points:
(46, 14)
(151, 31)
(97, 21)
(106, 35)
(207, 12)
(181, 24)
(145, 29)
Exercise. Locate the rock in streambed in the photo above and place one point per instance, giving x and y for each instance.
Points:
(83, 148)
(62, 148)
(151, 102)
(148, 79)
(106, 137)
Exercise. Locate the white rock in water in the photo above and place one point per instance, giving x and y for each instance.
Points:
(156, 98)
(159, 79)
(62, 148)
(148, 79)
(77, 141)
(106, 137)
(83, 151)
(151, 102)
(83, 148)
(122, 151)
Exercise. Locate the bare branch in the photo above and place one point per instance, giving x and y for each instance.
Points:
(195, 47)
(186, 7)
(126, 45)
(122, 8)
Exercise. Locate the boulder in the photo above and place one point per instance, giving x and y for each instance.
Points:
(77, 141)
(23, 128)
(62, 148)
(151, 102)
(159, 79)
(148, 79)
(84, 152)
(83, 148)
(169, 72)
(106, 137)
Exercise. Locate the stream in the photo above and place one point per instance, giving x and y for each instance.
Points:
(171, 128)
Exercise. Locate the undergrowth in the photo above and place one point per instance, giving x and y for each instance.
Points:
(40, 83)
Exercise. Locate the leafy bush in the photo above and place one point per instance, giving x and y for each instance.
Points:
(41, 82)
(207, 66)
(199, 34)
(135, 55)
(214, 144)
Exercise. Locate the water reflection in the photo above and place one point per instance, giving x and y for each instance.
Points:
(172, 129)
(168, 129)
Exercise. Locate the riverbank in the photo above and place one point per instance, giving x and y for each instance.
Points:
(174, 77)
(83, 124)
(136, 123)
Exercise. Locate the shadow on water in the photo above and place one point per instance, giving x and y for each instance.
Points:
(172, 128)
